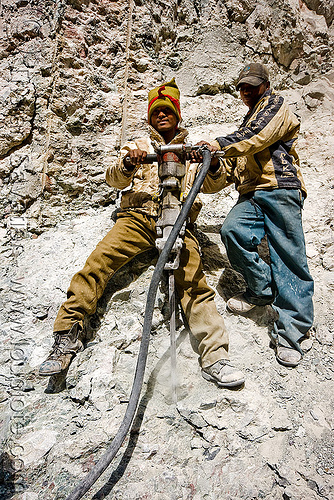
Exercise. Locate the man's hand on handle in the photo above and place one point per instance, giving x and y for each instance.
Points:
(196, 156)
(135, 156)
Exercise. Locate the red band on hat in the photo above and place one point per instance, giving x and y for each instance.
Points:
(160, 90)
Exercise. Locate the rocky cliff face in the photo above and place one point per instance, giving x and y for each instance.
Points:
(73, 86)
(75, 74)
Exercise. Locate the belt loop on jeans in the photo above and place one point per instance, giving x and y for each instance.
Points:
(246, 196)
(301, 198)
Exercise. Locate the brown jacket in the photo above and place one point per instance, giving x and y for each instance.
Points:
(262, 154)
(141, 186)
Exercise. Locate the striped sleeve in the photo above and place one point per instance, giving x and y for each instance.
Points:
(267, 126)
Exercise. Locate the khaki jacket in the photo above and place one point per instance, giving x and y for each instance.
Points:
(141, 186)
(261, 154)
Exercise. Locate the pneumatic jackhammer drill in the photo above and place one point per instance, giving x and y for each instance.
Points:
(172, 169)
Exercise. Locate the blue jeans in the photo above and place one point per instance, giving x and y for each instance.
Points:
(286, 282)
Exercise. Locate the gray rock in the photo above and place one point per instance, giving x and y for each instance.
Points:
(63, 109)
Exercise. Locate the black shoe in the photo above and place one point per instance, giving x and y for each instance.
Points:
(64, 349)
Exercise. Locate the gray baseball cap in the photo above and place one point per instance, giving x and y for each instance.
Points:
(254, 74)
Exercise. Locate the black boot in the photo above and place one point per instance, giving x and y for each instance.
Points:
(65, 347)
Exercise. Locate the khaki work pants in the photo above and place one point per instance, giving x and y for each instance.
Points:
(132, 234)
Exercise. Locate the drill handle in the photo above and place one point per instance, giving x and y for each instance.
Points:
(150, 158)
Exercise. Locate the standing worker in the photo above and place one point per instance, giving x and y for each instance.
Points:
(260, 158)
(135, 232)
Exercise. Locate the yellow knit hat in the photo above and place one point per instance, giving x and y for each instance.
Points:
(167, 94)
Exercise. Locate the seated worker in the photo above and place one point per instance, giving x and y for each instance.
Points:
(135, 232)
(261, 159)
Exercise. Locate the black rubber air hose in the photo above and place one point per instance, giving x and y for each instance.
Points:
(116, 443)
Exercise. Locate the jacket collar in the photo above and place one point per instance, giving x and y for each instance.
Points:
(156, 138)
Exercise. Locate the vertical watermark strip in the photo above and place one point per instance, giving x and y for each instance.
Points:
(17, 228)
